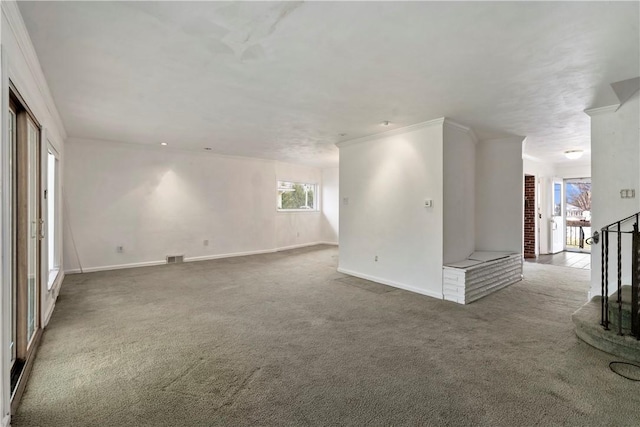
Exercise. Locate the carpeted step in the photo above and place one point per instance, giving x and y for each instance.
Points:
(587, 323)
(625, 308)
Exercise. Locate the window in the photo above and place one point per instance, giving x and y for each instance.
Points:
(53, 231)
(297, 196)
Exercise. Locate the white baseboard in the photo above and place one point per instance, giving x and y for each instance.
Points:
(115, 267)
(195, 258)
(409, 288)
(302, 245)
(229, 255)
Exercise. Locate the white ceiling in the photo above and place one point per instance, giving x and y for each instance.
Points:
(283, 80)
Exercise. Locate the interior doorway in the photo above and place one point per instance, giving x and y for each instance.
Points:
(530, 238)
(577, 214)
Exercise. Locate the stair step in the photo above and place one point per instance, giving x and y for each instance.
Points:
(626, 309)
(587, 323)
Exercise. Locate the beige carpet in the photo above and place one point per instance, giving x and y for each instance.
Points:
(284, 340)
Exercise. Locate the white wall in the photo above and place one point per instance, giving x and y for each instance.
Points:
(20, 65)
(330, 204)
(5, 318)
(568, 170)
(615, 150)
(499, 195)
(155, 201)
(386, 179)
(459, 192)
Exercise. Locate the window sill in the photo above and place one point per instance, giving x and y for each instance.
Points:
(303, 211)
(53, 275)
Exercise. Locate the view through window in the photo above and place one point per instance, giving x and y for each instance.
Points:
(294, 196)
(578, 214)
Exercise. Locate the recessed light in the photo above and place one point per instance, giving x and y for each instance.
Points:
(163, 143)
(573, 154)
(386, 123)
(207, 148)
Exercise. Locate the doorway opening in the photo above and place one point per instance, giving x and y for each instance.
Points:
(530, 216)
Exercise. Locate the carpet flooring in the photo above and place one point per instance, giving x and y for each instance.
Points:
(284, 340)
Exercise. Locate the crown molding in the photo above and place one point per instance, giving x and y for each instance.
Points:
(462, 128)
(389, 133)
(526, 156)
(602, 110)
(19, 30)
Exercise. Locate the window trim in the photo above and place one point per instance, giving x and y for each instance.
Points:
(57, 237)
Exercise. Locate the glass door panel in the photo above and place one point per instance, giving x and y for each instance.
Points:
(578, 214)
(34, 225)
(11, 221)
(557, 233)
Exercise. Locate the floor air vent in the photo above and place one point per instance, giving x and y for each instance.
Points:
(175, 259)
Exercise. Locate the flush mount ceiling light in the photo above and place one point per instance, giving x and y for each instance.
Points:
(573, 154)
(386, 123)
(164, 144)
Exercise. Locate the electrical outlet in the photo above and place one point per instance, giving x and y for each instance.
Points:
(345, 201)
(376, 258)
(428, 203)
(119, 249)
(205, 242)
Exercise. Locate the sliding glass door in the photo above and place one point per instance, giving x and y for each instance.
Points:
(11, 221)
(27, 233)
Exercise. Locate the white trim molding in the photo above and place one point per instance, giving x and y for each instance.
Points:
(115, 267)
(461, 128)
(195, 258)
(602, 110)
(19, 29)
(398, 285)
(392, 132)
(55, 291)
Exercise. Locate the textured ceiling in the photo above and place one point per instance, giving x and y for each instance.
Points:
(284, 80)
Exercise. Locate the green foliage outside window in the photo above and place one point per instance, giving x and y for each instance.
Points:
(296, 196)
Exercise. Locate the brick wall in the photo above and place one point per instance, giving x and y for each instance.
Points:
(529, 216)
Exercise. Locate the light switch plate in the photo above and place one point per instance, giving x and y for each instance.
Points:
(628, 193)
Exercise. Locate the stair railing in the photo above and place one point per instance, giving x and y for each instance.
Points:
(618, 229)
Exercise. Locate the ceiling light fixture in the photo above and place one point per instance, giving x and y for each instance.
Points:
(573, 154)
(386, 123)
(164, 144)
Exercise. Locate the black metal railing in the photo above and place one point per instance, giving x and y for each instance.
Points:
(575, 234)
(620, 230)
